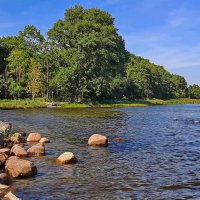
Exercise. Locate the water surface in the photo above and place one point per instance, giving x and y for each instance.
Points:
(160, 158)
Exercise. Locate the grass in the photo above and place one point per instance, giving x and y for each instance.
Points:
(21, 104)
(72, 105)
(41, 103)
(174, 101)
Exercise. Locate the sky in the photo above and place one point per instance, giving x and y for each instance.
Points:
(167, 32)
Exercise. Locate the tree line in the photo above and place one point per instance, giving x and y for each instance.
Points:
(82, 59)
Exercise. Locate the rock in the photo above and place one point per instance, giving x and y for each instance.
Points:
(5, 150)
(4, 189)
(53, 105)
(119, 140)
(34, 137)
(5, 127)
(4, 178)
(3, 158)
(37, 150)
(98, 140)
(17, 138)
(10, 196)
(66, 158)
(20, 168)
(44, 140)
(19, 151)
(1, 140)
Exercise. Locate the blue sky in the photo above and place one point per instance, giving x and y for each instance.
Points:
(165, 31)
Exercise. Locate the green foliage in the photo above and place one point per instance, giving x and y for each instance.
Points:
(83, 59)
(194, 91)
(91, 35)
(34, 78)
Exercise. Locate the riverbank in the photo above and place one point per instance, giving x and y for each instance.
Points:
(21, 104)
(38, 103)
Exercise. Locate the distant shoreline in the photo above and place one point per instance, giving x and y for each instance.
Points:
(30, 104)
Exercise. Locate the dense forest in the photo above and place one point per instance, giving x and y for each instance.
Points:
(82, 59)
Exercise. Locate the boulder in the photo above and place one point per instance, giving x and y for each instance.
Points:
(19, 151)
(20, 168)
(3, 158)
(1, 140)
(5, 150)
(17, 138)
(4, 178)
(119, 140)
(66, 158)
(44, 140)
(34, 137)
(5, 127)
(4, 189)
(98, 140)
(10, 196)
(37, 150)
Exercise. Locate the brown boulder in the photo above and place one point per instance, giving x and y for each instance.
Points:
(98, 140)
(5, 150)
(17, 138)
(19, 168)
(10, 196)
(19, 151)
(44, 140)
(37, 150)
(3, 158)
(66, 158)
(34, 137)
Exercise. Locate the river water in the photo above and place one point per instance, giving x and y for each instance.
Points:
(160, 158)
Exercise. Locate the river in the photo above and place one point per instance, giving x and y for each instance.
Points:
(160, 158)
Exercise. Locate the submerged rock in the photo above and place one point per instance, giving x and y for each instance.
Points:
(19, 168)
(3, 158)
(4, 178)
(37, 150)
(34, 137)
(19, 151)
(98, 140)
(10, 196)
(66, 158)
(119, 140)
(44, 140)
(4, 189)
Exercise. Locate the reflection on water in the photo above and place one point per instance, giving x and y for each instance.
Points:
(160, 158)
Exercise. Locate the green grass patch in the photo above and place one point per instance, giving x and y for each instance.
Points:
(174, 101)
(42, 103)
(72, 105)
(21, 104)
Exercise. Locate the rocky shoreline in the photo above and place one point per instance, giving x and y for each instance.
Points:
(16, 148)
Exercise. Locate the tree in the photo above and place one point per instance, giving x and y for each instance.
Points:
(180, 86)
(194, 91)
(91, 34)
(141, 77)
(17, 72)
(34, 77)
